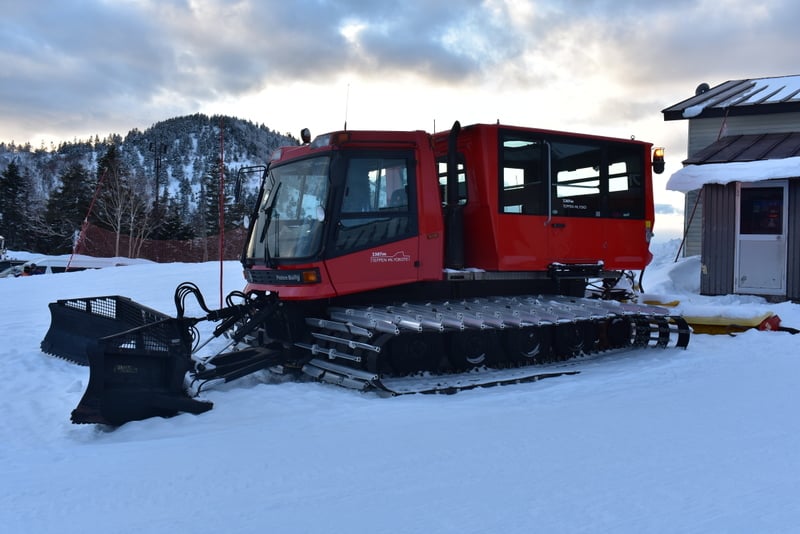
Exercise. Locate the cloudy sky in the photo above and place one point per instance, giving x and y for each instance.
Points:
(73, 69)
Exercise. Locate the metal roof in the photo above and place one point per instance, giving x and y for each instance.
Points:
(740, 97)
(755, 147)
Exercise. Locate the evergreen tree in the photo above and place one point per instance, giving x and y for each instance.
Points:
(209, 205)
(13, 221)
(210, 195)
(67, 208)
(173, 225)
(236, 209)
(184, 199)
(160, 212)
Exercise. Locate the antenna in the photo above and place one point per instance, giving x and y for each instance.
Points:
(346, 106)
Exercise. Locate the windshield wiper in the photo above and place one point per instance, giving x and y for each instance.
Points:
(277, 235)
(268, 211)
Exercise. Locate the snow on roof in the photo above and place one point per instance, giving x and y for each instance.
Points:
(771, 91)
(733, 97)
(694, 177)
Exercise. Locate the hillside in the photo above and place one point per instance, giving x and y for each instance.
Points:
(164, 166)
(182, 148)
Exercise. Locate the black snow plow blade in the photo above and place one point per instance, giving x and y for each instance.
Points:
(137, 374)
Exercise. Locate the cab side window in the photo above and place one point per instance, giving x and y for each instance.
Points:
(461, 175)
(523, 179)
(375, 203)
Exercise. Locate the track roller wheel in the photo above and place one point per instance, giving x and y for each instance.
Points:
(573, 339)
(415, 352)
(473, 348)
(619, 332)
(531, 345)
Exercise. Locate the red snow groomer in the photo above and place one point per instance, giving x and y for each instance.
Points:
(402, 262)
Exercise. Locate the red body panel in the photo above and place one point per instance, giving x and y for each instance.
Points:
(370, 269)
(494, 240)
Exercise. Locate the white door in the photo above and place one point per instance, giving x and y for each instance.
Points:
(761, 225)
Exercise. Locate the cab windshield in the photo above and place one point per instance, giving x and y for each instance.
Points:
(292, 211)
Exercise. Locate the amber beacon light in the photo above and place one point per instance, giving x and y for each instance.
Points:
(658, 160)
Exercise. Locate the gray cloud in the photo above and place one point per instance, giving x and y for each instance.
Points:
(667, 209)
(104, 63)
(710, 41)
(95, 60)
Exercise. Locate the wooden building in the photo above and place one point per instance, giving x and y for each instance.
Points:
(742, 185)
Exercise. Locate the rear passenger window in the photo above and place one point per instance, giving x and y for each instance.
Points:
(550, 175)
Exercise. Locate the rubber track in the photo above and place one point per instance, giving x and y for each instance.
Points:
(346, 340)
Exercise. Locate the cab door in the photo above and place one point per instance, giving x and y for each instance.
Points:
(375, 241)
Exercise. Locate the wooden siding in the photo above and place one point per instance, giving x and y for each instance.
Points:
(793, 242)
(703, 132)
(692, 223)
(719, 239)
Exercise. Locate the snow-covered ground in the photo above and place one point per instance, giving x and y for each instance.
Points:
(691, 441)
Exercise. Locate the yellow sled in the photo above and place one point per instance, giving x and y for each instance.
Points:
(719, 324)
(722, 324)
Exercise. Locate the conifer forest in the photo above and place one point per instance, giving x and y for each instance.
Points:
(163, 183)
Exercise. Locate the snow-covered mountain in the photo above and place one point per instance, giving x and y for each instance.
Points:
(181, 149)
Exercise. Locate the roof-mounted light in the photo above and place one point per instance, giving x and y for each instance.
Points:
(340, 138)
(321, 140)
(276, 154)
(305, 136)
(332, 139)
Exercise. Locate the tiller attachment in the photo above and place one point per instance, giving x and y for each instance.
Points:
(77, 324)
(141, 362)
(139, 373)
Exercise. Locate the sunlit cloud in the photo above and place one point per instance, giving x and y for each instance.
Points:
(602, 67)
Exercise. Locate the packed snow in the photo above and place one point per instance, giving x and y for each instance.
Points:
(693, 441)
